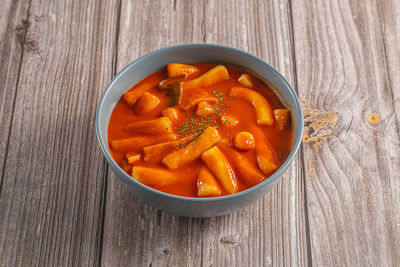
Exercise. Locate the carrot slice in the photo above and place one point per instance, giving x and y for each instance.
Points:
(207, 185)
(154, 176)
(193, 150)
(248, 173)
(265, 154)
(146, 103)
(281, 116)
(214, 75)
(160, 125)
(261, 105)
(157, 152)
(137, 143)
(219, 165)
(178, 70)
(135, 93)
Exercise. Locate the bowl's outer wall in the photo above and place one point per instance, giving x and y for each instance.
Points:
(193, 53)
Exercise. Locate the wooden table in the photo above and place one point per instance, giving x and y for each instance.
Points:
(337, 205)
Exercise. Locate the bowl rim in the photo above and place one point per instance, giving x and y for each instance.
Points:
(274, 176)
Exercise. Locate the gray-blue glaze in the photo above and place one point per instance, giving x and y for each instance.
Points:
(192, 53)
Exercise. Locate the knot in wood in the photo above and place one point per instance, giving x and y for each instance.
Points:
(373, 118)
(318, 124)
(230, 240)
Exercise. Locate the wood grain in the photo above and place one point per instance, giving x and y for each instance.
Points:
(389, 16)
(352, 181)
(13, 22)
(272, 231)
(53, 190)
(338, 204)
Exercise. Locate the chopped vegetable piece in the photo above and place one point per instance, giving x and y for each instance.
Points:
(178, 70)
(133, 157)
(135, 93)
(137, 143)
(196, 96)
(175, 92)
(170, 113)
(154, 176)
(281, 116)
(228, 121)
(156, 153)
(248, 173)
(146, 103)
(246, 80)
(160, 125)
(214, 75)
(244, 141)
(193, 150)
(204, 109)
(265, 154)
(261, 105)
(169, 83)
(207, 185)
(219, 165)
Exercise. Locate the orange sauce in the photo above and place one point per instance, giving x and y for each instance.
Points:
(244, 112)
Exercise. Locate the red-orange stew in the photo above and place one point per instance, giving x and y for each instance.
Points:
(200, 130)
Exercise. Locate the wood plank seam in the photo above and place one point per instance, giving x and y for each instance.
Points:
(383, 172)
(102, 218)
(202, 242)
(391, 86)
(203, 23)
(301, 150)
(24, 27)
(384, 45)
(106, 167)
(306, 213)
(396, 254)
(115, 57)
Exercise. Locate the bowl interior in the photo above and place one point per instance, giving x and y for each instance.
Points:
(193, 53)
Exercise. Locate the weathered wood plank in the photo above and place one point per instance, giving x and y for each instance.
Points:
(389, 14)
(136, 234)
(390, 25)
(272, 231)
(269, 232)
(13, 15)
(352, 181)
(52, 197)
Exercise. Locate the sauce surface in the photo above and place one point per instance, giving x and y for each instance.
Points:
(188, 123)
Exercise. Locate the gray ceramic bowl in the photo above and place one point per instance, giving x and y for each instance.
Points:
(192, 53)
